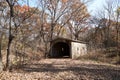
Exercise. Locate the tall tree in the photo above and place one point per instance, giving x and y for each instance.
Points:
(117, 19)
(3, 27)
(11, 15)
(60, 12)
(106, 26)
(78, 22)
(17, 17)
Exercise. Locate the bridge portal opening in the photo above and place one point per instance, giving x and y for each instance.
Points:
(60, 50)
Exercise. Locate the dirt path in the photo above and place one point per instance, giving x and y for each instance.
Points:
(64, 69)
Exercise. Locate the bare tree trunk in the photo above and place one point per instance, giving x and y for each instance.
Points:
(1, 65)
(8, 47)
(117, 35)
(52, 30)
(46, 53)
(76, 36)
(11, 4)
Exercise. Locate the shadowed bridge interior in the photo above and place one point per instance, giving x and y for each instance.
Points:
(60, 50)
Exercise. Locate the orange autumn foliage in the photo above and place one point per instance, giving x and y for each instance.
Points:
(64, 1)
(21, 9)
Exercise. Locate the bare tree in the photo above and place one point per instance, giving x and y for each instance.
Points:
(106, 27)
(60, 12)
(11, 15)
(78, 22)
(3, 27)
(117, 26)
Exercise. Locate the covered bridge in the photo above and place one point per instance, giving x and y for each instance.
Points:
(63, 47)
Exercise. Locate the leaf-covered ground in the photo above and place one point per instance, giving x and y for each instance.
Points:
(64, 69)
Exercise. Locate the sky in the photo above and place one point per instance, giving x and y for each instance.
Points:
(95, 6)
(32, 3)
(99, 5)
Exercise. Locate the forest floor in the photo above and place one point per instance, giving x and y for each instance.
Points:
(64, 69)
